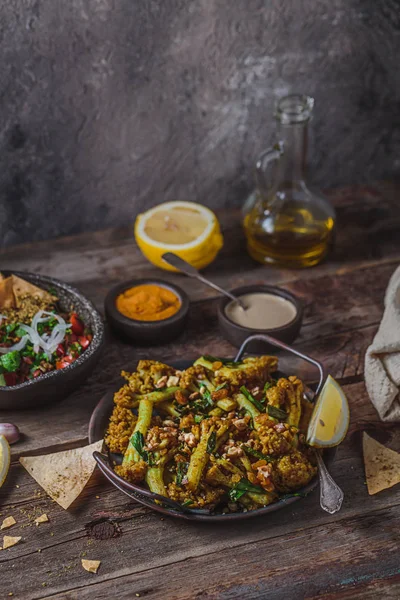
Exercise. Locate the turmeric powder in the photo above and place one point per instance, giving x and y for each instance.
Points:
(148, 302)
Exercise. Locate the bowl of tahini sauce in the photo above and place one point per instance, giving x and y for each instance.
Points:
(269, 310)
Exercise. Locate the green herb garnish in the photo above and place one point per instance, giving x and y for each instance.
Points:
(206, 401)
(198, 418)
(187, 503)
(276, 413)
(251, 398)
(221, 386)
(243, 487)
(181, 471)
(225, 361)
(138, 444)
(11, 361)
(251, 452)
(212, 440)
(269, 384)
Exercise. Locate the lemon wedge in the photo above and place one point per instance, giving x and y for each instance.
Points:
(5, 455)
(188, 229)
(330, 418)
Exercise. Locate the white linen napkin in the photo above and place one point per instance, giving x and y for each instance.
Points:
(382, 360)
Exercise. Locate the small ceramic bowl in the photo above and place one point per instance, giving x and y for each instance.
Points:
(146, 332)
(236, 334)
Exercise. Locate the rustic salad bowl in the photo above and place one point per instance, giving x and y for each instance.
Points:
(99, 424)
(55, 385)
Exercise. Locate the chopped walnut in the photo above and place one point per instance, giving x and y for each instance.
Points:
(162, 382)
(194, 396)
(220, 394)
(234, 452)
(180, 398)
(280, 427)
(169, 423)
(240, 424)
(189, 439)
(264, 477)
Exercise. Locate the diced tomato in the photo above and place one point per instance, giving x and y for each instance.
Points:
(10, 378)
(60, 350)
(84, 341)
(37, 373)
(28, 360)
(76, 324)
(64, 362)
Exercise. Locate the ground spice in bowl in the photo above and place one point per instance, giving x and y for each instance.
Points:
(148, 302)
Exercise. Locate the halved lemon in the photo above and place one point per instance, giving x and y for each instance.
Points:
(5, 455)
(188, 229)
(330, 418)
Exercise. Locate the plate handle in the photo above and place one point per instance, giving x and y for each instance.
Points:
(263, 337)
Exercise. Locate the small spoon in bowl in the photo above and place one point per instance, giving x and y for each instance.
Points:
(176, 261)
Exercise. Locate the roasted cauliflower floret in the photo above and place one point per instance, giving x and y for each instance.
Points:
(148, 376)
(292, 472)
(122, 423)
(274, 439)
(125, 397)
(252, 372)
(192, 377)
(161, 439)
(135, 472)
(205, 496)
(276, 396)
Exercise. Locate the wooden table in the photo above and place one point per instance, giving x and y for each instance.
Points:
(299, 552)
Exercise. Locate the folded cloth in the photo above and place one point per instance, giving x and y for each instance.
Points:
(382, 360)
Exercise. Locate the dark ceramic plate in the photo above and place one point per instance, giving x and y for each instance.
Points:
(55, 385)
(99, 423)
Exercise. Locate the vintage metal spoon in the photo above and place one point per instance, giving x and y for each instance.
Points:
(331, 496)
(176, 261)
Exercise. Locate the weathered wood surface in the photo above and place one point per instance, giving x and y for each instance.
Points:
(296, 553)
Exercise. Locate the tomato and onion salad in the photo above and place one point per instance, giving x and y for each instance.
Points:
(52, 342)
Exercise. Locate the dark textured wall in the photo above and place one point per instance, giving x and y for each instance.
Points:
(109, 106)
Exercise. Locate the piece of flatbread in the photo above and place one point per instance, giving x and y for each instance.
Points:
(9, 541)
(23, 288)
(382, 465)
(63, 475)
(91, 565)
(42, 519)
(7, 298)
(8, 522)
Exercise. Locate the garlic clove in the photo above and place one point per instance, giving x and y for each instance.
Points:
(10, 432)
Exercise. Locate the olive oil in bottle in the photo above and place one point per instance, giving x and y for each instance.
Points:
(286, 223)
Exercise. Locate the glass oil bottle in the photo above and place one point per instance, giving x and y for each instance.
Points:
(286, 223)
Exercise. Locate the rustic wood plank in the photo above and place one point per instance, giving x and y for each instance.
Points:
(285, 559)
(272, 568)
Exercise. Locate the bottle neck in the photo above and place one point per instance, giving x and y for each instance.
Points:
(293, 161)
